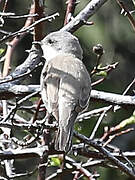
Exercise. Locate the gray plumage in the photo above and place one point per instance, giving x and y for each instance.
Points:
(65, 84)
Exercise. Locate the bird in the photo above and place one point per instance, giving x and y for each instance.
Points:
(65, 84)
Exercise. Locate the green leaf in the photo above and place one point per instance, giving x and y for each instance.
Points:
(99, 66)
(102, 73)
(128, 121)
(33, 99)
(1, 50)
(55, 161)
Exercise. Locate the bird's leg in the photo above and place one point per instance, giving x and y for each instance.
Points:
(48, 120)
(45, 120)
(63, 162)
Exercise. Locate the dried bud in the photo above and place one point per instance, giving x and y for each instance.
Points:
(98, 49)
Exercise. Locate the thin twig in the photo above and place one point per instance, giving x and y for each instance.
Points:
(111, 137)
(4, 32)
(129, 86)
(12, 44)
(107, 154)
(82, 170)
(128, 161)
(84, 15)
(5, 6)
(3, 11)
(20, 175)
(70, 10)
(27, 29)
(108, 69)
(37, 110)
(13, 16)
(99, 121)
(19, 76)
(130, 18)
(13, 110)
(38, 29)
(89, 114)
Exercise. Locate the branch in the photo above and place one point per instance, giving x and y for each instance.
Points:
(80, 150)
(12, 44)
(27, 29)
(14, 108)
(29, 64)
(71, 4)
(9, 90)
(113, 98)
(38, 29)
(84, 15)
(13, 16)
(130, 17)
(22, 153)
(107, 154)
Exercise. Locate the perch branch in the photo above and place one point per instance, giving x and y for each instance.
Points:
(9, 90)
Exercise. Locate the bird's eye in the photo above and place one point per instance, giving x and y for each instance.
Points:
(50, 41)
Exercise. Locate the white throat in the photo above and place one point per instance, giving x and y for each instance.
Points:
(49, 52)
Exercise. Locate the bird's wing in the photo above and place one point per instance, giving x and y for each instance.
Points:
(49, 90)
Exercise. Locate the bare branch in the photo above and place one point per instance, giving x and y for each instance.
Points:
(32, 60)
(22, 153)
(130, 17)
(113, 98)
(38, 29)
(84, 15)
(6, 14)
(71, 4)
(9, 90)
(13, 16)
(27, 29)
(14, 109)
(107, 154)
(99, 122)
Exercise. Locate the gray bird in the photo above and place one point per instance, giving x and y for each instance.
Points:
(65, 84)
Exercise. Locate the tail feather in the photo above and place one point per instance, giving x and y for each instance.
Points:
(64, 135)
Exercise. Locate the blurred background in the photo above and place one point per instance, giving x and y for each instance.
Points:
(114, 32)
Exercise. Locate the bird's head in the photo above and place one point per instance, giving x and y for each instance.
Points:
(61, 42)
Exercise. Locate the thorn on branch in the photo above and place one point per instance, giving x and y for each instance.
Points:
(130, 18)
(88, 23)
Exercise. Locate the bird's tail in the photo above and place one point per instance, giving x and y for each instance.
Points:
(64, 135)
